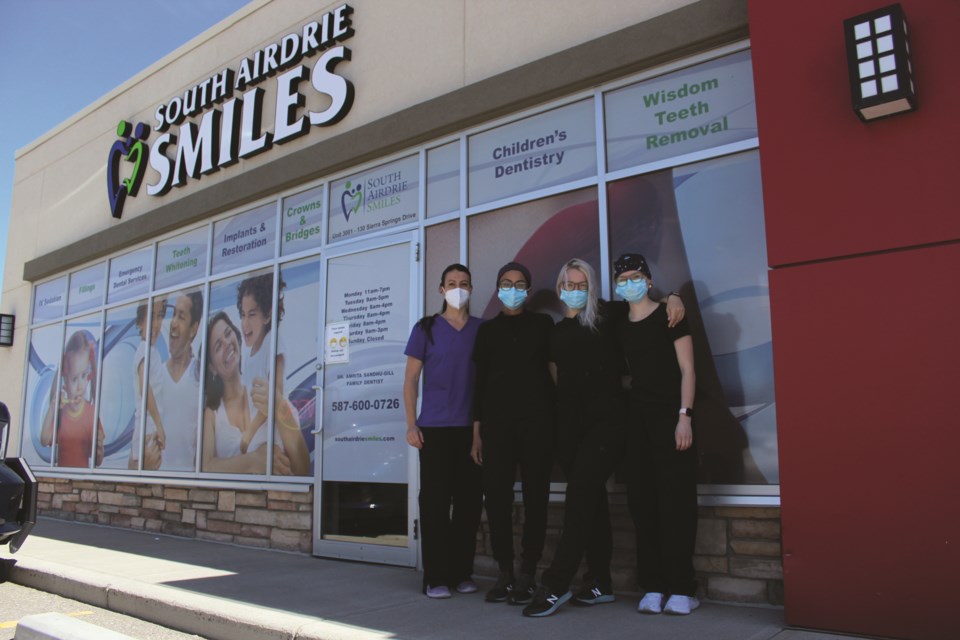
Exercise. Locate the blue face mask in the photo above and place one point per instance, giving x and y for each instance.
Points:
(511, 298)
(575, 299)
(632, 291)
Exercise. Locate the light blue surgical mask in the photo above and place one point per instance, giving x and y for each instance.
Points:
(574, 299)
(632, 291)
(511, 298)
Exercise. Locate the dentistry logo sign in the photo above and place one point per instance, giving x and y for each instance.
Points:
(230, 107)
(378, 199)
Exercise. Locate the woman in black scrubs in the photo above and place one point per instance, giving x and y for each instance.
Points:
(514, 428)
(662, 480)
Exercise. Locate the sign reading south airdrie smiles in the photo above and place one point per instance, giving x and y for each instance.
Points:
(374, 200)
(230, 107)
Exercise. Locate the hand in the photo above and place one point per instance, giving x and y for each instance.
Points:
(281, 462)
(161, 439)
(152, 458)
(476, 451)
(684, 434)
(259, 394)
(415, 437)
(675, 310)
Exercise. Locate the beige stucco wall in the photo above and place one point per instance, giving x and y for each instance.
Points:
(405, 52)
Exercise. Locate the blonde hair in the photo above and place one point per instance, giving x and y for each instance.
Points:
(589, 315)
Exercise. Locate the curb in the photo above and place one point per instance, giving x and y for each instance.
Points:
(206, 616)
(56, 626)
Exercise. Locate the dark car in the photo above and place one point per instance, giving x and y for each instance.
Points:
(18, 492)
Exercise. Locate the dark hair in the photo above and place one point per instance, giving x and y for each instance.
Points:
(214, 385)
(196, 306)
(426, 322)
(141, 313)
(261, 288)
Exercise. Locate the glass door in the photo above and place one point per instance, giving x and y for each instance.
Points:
(365, 476)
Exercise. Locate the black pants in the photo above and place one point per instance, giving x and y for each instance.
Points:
(588, 459)
(506, 447)
(662, 494)
(448, 477)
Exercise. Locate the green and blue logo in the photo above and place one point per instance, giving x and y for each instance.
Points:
(131, 147)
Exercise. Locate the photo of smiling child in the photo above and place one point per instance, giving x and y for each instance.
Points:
(75, 435)
(255, 306)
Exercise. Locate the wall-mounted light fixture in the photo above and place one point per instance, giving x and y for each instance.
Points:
(6, 329)
(878, 57)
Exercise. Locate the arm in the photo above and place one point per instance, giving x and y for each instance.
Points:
(476, 449)
(250, 462)
(411, 382)
(101, 436)
(152, 458)
(259, 397)
(675, 308)
(152, 410)
(552, 367)
(688, 384)
(292, 439)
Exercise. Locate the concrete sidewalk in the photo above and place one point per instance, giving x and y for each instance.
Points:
(227, 592)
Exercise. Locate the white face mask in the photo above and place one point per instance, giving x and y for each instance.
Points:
(456, 298)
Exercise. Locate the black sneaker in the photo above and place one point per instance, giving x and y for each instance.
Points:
(545, 603)
(523, 590)
(502, 590)
(592, 593)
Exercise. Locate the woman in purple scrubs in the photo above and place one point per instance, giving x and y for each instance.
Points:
(441, 348)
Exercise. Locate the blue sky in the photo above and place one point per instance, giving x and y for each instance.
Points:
(61, 55)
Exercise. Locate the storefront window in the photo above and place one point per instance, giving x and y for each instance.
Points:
(49, 300)
(704, 106)
(302, 220)
(701, 229)
(542, 235)
(130, 275)
(375, 200)
(127, 343)
(443, 179)
(244, 239)
(41, 404)
(182, 258)
(534, 153)
(298, 328)
(442, 248)
(176, 384)
(77, 436)
(86, 289)
(238, 365)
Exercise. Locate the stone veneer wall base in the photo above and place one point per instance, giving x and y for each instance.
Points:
(737, 556)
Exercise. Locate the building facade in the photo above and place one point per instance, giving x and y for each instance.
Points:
(275, 201)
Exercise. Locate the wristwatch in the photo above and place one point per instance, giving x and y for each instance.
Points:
(686, 411)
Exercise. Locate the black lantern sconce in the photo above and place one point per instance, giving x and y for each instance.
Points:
(878, 57)
(6, 329)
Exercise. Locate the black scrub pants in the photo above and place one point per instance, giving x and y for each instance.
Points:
(448, 477)
(662, 495)
(588, 458)
(506, 446)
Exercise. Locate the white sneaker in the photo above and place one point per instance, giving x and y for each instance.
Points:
(681, 605)
(652, 602)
